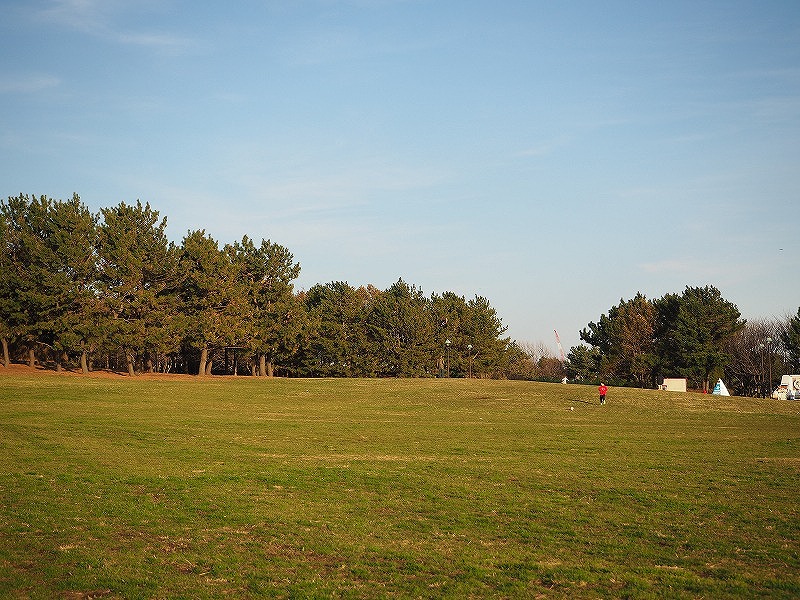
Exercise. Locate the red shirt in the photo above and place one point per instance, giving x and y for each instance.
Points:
(602, 389)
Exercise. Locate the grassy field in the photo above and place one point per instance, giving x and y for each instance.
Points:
(207, 488)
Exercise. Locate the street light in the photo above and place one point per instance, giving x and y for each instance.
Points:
(761, 374)
(769, 348)
(469, 349)
(447, 343)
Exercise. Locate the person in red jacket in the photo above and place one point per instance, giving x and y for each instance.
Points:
(603, 391)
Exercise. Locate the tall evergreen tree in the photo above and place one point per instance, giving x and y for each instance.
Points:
(790, 337)
(482, 342)
(582, 363)
(11, 316)
(71, 315)
(448, 313)
(214, 297)
(338, 316)
(267, 273)
(21, 217)
(675, 335)
(401, 333)
(702, 327)
(602, 337)
(138, 278)
(48, 274)
(635, 327)
(667, 348)
(624, 341)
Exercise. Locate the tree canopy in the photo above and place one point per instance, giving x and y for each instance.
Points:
(698, 335)
(112, 289)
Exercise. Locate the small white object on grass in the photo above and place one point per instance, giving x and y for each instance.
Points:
(572, 408)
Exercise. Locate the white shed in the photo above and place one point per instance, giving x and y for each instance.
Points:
(674, 384)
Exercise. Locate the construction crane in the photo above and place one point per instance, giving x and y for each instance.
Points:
(560, 347)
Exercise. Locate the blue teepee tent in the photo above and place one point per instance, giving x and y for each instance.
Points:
(720, 389)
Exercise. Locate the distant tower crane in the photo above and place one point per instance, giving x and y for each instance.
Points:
(560, 347)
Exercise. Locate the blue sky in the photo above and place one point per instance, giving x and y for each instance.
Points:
(554, 157)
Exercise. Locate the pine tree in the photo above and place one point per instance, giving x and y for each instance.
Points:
(267, 272)
(400, 332)
(791, 341)
(484, 330)
(700, 332)
(138, 279)
(214, 298)
(337, 319)
(11, 315)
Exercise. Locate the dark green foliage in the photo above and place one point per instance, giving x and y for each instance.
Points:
(12, 313)
(337, 345)
(49, 270)
(112, 284)
(624, 342)
(582, 363)
(791, 340)
(213, 297)
(138, 281)
(475, 333)
(704, 324)
(483, 330)
(401, 333)
(639, 341)
(273, 322)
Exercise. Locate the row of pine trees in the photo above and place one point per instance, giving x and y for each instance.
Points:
(697, 334)
(110, 290)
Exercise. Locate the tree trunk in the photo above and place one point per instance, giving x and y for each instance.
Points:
(6, 359)
(209, 366)
(262, 365)
(31, 358)
(149, 365)
(270, 369)
(201, 370)
(129, 358)
(84, 363)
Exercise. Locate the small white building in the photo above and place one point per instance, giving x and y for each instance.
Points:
(674, 384)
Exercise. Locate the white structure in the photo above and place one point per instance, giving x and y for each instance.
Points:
(789, 389)
(674, 384)
(720, 389)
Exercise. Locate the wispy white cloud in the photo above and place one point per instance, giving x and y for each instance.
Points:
(90, 16)
(158, 41)
(324, 44)
(28, 84)
(306, 203)
(98, 18)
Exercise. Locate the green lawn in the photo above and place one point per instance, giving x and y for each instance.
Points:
(223, 487)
